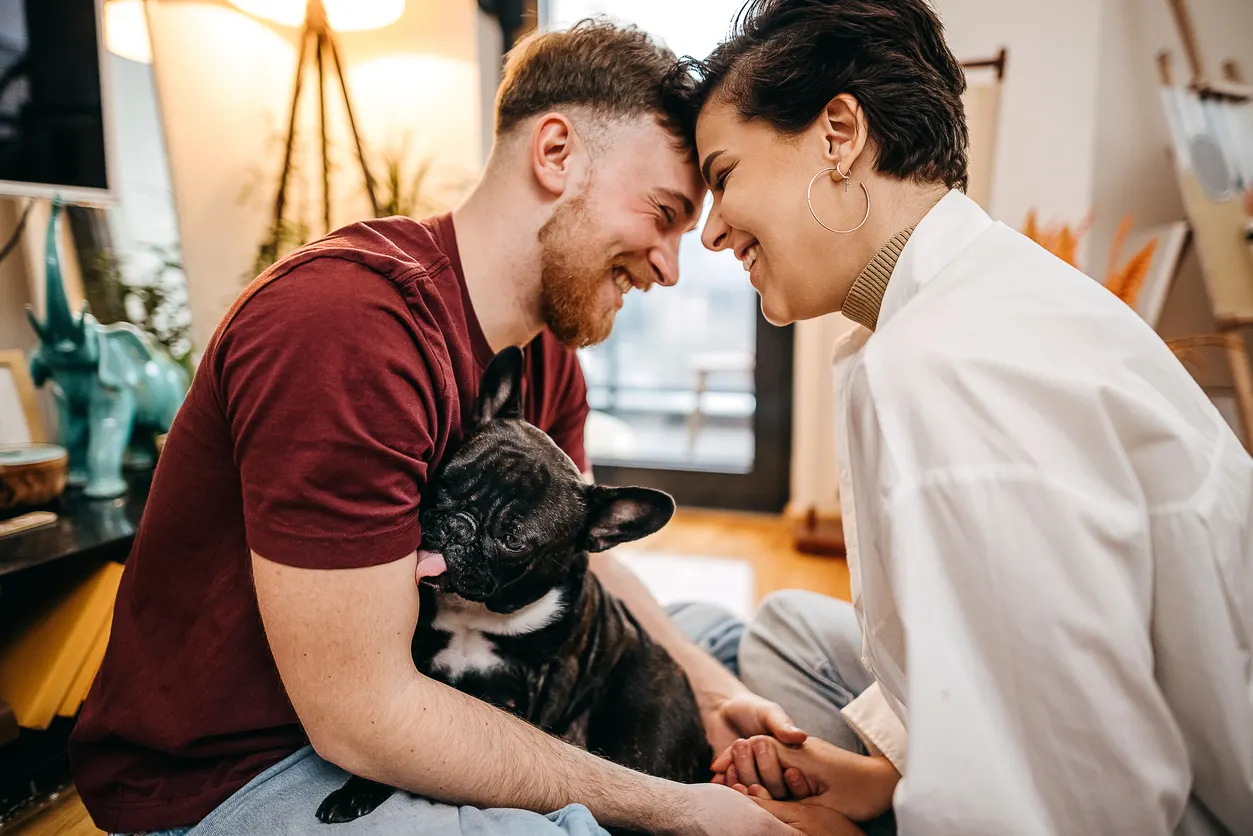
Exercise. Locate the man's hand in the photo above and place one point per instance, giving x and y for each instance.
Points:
(746, 715)
(717, 811)
(857, 786)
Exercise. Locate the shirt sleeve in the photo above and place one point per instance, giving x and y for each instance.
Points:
(570, 419)
(327, 388)
(1033, 705)
(876, 723)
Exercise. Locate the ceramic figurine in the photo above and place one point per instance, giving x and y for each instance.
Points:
(114, 386)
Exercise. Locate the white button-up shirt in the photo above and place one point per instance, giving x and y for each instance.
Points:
(1050, 534)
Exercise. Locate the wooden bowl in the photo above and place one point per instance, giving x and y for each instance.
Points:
(31, 474)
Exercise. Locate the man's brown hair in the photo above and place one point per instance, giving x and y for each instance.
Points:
(609, 70)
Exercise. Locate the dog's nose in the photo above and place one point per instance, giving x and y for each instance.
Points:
(461, 528)
(475, 588)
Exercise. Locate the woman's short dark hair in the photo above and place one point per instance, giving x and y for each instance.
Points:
(786, 59)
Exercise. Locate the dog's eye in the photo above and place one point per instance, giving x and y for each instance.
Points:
(513, 542)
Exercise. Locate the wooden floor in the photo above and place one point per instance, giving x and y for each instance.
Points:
(765, 542)
(762, 541)
(67, 817)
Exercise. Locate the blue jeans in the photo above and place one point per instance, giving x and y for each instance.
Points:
(282, 801)
(801, 650)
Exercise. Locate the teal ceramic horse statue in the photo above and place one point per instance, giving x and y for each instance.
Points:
(114, 386)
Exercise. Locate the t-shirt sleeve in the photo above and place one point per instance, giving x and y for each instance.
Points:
(332, 408)
(571, 407)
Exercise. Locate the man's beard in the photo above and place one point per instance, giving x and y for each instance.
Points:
(572, 272)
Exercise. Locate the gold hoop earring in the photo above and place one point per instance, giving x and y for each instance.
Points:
(809, 199)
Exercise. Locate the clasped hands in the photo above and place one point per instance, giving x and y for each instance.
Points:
(805, 782)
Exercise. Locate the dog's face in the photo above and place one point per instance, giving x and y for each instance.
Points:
(512, 515)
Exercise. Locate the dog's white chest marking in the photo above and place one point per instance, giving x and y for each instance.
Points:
(470, 627)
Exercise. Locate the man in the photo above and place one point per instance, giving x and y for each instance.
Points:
(270, 597)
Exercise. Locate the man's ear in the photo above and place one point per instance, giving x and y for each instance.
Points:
(553, 142)
(619, 515)
(500, 391)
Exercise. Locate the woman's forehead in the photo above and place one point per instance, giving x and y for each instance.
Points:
(717, 119)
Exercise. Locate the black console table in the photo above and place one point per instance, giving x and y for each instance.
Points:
(35, 566)
(85, 529)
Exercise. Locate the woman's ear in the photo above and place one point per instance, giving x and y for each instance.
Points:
(553, 143)
(843, 126)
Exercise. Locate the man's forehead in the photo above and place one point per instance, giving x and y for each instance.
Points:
(651, 156)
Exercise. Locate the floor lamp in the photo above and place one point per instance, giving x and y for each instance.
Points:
(319, 45)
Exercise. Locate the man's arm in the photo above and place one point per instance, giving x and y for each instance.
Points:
(341, 641)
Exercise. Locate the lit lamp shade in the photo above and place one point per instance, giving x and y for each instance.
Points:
(343, 15)
(126, 30)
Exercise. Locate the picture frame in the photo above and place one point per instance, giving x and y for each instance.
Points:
(19, 414)
(1172, 240)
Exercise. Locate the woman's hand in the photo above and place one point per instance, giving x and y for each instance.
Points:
(857, 786)
(747, 715)
(809, 816)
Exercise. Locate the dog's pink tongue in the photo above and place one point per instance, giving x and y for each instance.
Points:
(430, 564)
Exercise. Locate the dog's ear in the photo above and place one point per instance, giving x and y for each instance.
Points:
(619, 515)
(500, 391)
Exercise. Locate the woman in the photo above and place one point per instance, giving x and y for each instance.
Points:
(1048, 523)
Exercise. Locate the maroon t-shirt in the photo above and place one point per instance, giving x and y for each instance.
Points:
(307, 436)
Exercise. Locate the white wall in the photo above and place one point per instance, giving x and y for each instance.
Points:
(490, 56)
(813, 478)
(224, 84)
(1048, 106)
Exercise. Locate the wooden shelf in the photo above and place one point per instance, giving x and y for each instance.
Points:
(35, 564)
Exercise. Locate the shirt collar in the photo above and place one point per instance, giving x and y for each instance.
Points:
(951, 226)
(865, 295)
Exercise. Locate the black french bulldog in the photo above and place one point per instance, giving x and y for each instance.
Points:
(518, 621)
